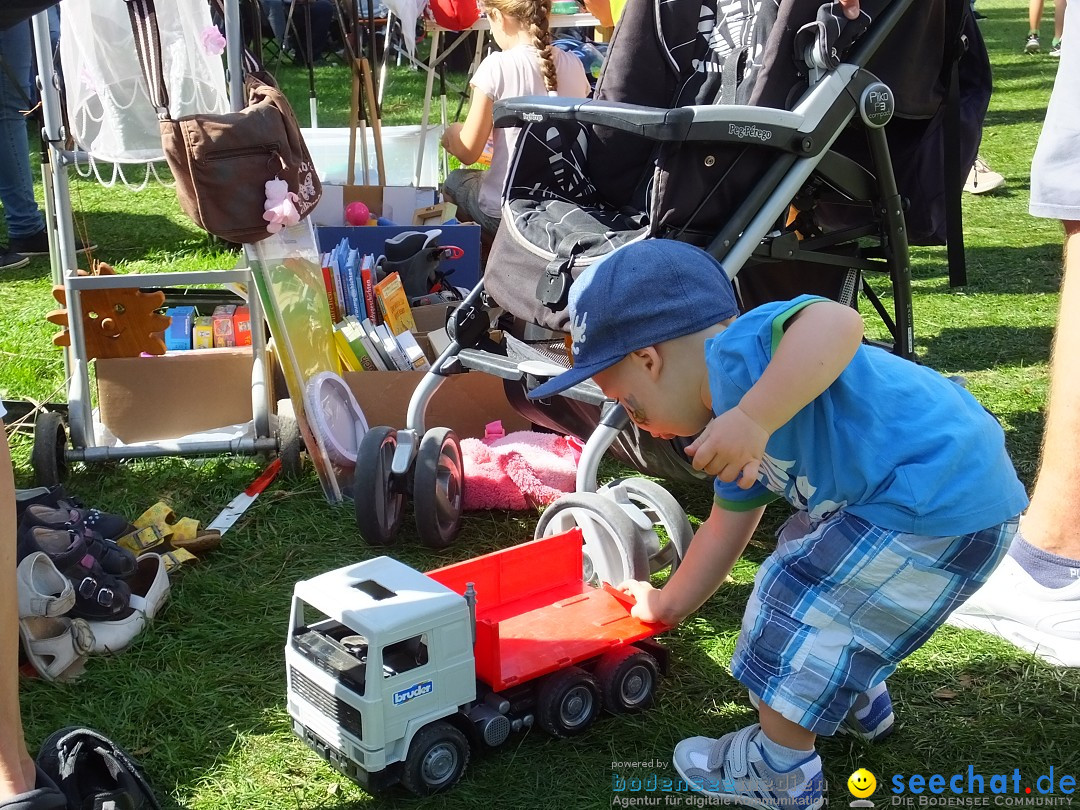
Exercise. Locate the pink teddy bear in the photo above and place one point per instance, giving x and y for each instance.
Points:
(280, 207)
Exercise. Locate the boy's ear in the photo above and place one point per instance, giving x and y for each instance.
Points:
(649, 360)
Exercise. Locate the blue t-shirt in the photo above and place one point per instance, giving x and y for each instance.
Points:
(889, 441)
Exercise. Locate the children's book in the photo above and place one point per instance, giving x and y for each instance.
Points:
(375, 344)
(413, 352)
(353, 332)
(367, 279)
(393, 348)
(394, 304)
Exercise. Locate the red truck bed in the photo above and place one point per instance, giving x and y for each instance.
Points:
(534, 612)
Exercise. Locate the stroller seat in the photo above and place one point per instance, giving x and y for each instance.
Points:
(734, 125)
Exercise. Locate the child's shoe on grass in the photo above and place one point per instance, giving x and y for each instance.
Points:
(736, 770)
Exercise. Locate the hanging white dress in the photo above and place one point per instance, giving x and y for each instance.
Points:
(109, 112)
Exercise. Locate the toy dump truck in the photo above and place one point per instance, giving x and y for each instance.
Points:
(395, 676)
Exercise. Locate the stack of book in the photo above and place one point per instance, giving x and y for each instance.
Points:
(373, 322)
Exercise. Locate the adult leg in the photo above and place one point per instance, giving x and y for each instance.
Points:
(21, 211)
(1052, 522)
(16, 766)
(1059, 19)
(1035, 10)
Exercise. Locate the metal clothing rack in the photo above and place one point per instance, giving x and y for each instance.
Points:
(51, 453)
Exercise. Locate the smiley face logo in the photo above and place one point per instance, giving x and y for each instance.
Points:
(861, 783)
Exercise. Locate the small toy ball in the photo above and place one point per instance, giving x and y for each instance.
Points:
(356, 213)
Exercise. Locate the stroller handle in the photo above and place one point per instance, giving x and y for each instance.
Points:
(656, 123)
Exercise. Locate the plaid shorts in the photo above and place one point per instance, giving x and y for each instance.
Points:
(839, 604)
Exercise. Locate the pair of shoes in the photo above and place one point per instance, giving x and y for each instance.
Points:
(45, 796)
(870, 719)
(91, 771)
(10, 260)
(149, 590)
(104, 524)
(982, 179)
(117, 561)
(1032, 44)
(56, 645)
(1055, 50)
(1012, 605)
(37, 244)
(734, 769)
(98, 595)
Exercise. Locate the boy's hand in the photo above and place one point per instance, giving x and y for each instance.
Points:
(730, 447)
(647, 598)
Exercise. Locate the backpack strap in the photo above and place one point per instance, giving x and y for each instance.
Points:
(955, 12)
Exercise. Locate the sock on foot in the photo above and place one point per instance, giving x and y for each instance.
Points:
(1056, 42)
(1049, 570)
(781, 758)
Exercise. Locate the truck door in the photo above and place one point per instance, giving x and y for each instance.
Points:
(409, 686)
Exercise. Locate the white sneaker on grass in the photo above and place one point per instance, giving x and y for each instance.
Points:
(734, 769)
(1012, 605)
(982, 179)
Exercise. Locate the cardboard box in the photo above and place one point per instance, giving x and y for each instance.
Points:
(464, 402)
(367, 239)
(158, 398)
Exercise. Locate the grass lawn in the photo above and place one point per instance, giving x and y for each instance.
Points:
(199, 697)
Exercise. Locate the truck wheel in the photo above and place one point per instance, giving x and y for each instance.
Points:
(438, 488)
(612, 547)
(666, 514)
(436, 760)
(379, 503)
(568, 702)
(628, 678)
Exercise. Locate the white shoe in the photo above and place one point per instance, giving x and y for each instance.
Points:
(982, 178)
(1012, 605)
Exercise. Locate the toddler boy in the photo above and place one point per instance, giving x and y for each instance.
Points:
(906, 498)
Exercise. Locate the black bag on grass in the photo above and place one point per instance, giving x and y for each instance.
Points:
(94, 773)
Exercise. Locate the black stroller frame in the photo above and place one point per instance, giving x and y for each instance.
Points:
(427, 464)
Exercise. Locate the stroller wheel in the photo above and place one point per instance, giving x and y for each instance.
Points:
(613, 550)
(438, 488)
(379, 499)
(659, 506)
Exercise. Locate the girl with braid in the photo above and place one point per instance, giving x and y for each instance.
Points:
(526, 65)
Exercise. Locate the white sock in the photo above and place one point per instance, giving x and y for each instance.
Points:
(781, 758)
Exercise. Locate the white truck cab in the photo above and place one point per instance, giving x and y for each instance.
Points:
(376, 651)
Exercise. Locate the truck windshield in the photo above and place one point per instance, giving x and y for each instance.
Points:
(334, 648)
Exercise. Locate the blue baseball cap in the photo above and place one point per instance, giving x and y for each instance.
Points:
(642, 294)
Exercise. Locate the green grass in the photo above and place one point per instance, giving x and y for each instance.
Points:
(200, 696)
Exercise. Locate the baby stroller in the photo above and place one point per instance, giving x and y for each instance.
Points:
(735, 145)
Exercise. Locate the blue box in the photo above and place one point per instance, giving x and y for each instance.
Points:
(372, 238)
(178, 332)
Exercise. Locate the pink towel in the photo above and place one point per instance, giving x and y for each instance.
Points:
(518, 471)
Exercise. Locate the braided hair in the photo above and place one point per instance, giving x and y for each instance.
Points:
(533, 14)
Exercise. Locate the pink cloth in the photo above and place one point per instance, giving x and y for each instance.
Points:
(518, 471)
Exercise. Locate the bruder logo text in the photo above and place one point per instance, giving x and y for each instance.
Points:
(749, 131)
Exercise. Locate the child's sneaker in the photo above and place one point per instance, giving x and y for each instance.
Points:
(1044, 621)
(870, 719)
(1055, 50)
(734, 768)
(1032, 44)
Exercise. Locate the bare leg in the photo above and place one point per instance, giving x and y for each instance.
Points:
(16, 766)
(1035, 10)
(1059, 18)
(1052, 521)
(781, 730)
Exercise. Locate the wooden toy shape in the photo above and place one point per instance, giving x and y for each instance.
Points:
(116, 323)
